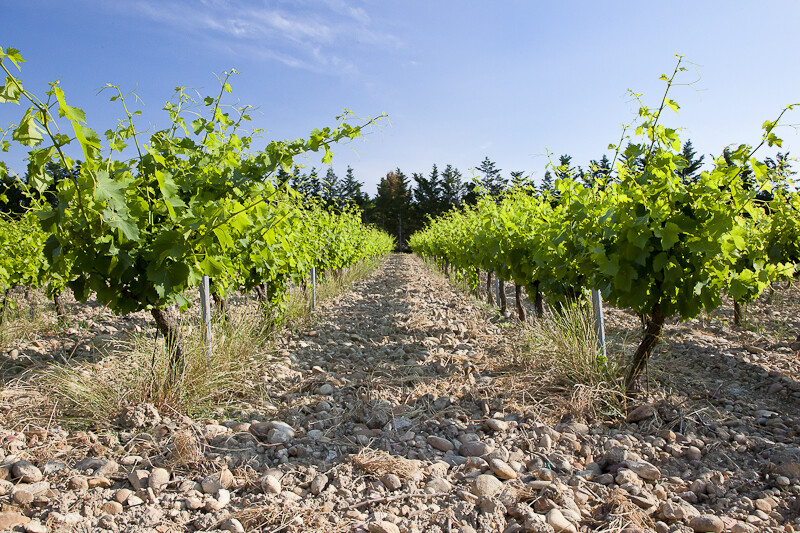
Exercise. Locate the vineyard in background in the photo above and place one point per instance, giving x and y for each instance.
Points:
(140, 221)
(648, 238)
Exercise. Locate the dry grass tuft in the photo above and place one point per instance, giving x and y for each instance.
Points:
(562, 351)
(88, 393)
(274, 517)
(185, 448)
(619, 513)
(379, 463)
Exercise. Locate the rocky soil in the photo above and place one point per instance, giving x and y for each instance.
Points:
(396, 411)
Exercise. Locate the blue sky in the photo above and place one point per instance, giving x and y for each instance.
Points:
(460, 80)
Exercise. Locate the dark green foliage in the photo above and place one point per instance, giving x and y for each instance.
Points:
(691, 171)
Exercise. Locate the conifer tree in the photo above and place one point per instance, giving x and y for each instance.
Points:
(547, 182)
(351, 189)
(313, 183)
(691, 171)
(519, 179)
(427, 193)
(392, 204)
(599, 172)
(331, 189)
(491, 180)
(452, 188)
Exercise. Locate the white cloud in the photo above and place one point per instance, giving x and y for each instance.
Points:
(325, 36)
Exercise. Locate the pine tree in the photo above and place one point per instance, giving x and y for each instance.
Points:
(330, 189)
(564, 170)
(313, 184)
(452, 188)
(519, 179)
(351, 190)
(547, 182)
(690, 172)
(427, 193)
(392, 204)
(599, 172)
(296, 182)
(491, 181)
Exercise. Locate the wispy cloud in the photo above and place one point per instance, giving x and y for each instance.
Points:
(325, 36)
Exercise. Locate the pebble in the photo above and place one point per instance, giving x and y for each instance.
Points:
(319, 482)
(392, 482)
(644, 470)
(12, 519)
(112, 507)
(497, 425)
(26, 472)
(475, 449)
(212, 483)
(502, 469)
(22, 497)
(642, 412)
(559, 523)
(270, 484)
(106, 521)
(706, 524)
(680, 476)
(138, 479)
(122, 495)
(158, 480)
(35, 526)
(693, 453)
(382, 526)
(232, 525)
(486, 485)
(220, 500)
(439, 484)
(79, 483)
(443, 445)
(102, 482)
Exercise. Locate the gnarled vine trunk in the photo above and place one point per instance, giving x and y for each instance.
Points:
(652, 334)
(489, 287)
(739, 313)
(221, 306)
(501, 287)
(261, 292)
(518, 297)
(538, 304)
(61, 308)
(168, 327)
(4, 307)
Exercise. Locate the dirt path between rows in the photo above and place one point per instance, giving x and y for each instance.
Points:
(398, 410)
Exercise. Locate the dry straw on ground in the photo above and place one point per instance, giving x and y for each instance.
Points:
(379, 463)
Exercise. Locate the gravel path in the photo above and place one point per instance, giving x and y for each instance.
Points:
(393, 412)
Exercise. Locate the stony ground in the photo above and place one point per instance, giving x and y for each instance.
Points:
(398, 409)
